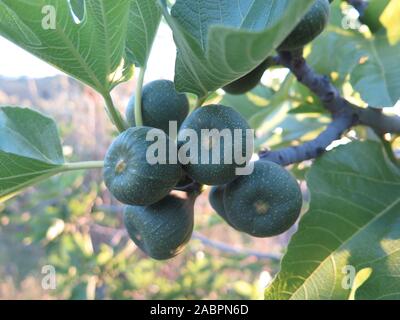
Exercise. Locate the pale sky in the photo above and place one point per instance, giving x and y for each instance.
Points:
(18, 63)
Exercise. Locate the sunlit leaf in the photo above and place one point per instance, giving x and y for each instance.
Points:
(377, 76)
(95, 41)
(30, 150)
(353, 221)
(219, 41)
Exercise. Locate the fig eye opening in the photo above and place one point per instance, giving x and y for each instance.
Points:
(121, 166)
(261, 207)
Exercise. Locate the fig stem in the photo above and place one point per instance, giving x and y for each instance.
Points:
(83, 165)
(200, 101)
(138, 97)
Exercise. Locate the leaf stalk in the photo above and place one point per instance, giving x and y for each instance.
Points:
(114, 114)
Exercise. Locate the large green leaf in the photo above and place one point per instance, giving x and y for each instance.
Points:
(144, 18)
(289, 129)
(372, 64)
(30, 150)
(220, 40)
(346, 46)
(390, 20)
(353, 223)
(370, 61)
(373, 13)
(90, 38)
(378, 79)
(252, 104)
(78, 8)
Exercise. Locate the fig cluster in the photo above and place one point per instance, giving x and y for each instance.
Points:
(263, 203)
(160, 220)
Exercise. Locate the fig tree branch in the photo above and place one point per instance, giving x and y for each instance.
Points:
(113, 233)
(332, 99)
(313, 148)
(344, 114)
(233, 250)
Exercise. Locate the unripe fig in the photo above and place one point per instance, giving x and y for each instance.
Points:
(161, 230)
(265, 203)
(161, 103)
(128, 174)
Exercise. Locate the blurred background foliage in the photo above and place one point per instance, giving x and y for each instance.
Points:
(72, 223)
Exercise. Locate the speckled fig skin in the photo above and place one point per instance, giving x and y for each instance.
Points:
(310, 27)
(161, 103)
(213, 117)
(216, 199)
(161, 230)
(129, 176)
(248, 81)
(264, 204)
